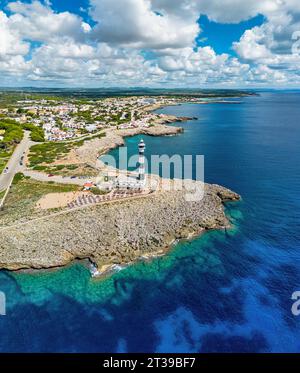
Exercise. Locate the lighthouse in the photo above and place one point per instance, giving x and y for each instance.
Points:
(142, 147)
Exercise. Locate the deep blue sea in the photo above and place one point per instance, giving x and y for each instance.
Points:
(225, 291)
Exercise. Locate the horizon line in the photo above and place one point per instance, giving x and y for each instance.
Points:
(150, 88)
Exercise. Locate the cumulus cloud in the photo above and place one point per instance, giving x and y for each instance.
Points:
(78, 64)
(10, 40)
(202, 66)
(147, 42)
(139, 24)
(250, 47)
(270, 46)
(39, 22)
(235, 11)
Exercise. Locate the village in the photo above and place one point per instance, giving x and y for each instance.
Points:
(73, 119)
(61, 142)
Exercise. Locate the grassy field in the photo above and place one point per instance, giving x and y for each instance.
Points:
(47, 153)
(23, 196)
(80, 141)
(68, 170)
(42, 157)
(2, 194)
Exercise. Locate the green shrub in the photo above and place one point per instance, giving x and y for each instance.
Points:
(13, 132)
(97, 191)
(71, 167)
(18, 177)
(37, 133)
(39, 168)
(60, 167)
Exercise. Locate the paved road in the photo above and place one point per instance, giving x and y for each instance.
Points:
(14, 162)
(14, 167)
(58, 179)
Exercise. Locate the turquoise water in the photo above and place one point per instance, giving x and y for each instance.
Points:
(225, 291)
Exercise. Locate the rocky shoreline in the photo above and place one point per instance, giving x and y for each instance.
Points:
(91, 150)
(114, 234)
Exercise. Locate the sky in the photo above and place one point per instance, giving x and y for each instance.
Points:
(150, 43)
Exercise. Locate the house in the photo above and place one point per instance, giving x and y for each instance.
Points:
(91, 128)
(88, 186)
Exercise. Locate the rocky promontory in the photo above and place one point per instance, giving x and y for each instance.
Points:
(114, 233)
(91, 150)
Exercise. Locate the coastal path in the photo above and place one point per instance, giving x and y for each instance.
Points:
(55, 178)
(116, 195)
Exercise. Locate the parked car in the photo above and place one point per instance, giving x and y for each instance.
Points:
(50, 175)
(73, 177)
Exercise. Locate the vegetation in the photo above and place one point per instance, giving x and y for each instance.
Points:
(12, 134)
(37, 133)
(83, 131)
(19, 177)
(97, 191)
(10, 99)
(85, 116)
(71, 167)
(88, 138)
(67, 170)
(42, 157)
(47, 152)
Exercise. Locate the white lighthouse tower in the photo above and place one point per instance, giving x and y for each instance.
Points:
(133, 182)
(142, 147)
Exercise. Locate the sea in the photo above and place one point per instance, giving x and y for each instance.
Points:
(225, 291)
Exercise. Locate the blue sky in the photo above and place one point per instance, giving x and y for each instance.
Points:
(211, 31)
(159, 43)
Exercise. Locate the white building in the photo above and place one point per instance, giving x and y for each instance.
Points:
(129, 182)
(123, 181)
(91, 128)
